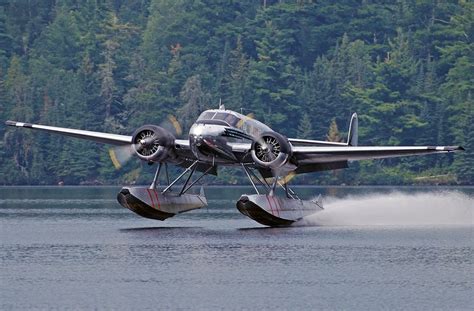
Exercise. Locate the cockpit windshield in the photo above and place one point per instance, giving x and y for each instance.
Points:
(229, 118)
(206, 115)
(245, 124)
(225, 116)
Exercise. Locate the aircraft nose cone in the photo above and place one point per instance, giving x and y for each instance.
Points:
(146, 141)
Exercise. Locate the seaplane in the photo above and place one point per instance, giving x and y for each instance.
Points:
(221, 137)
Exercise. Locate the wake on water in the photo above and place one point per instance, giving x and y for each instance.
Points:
(398, 209)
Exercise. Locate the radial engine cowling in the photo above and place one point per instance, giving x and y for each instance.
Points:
(153, 143)
(271, 150)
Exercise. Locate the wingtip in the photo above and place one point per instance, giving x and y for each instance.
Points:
(455, 148)
(10, 123)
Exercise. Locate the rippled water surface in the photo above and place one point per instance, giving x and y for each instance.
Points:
(372, 248)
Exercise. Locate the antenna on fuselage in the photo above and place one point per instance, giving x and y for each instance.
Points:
(250, 115)
(221, 106)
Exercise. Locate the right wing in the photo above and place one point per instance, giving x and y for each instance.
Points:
(182, 148)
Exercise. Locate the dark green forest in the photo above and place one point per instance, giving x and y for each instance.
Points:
(405, 66)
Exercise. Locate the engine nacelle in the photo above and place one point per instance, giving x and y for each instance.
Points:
(271, 150)
(153, 143)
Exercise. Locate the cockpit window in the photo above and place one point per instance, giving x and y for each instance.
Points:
(229, 118)
(206, 115)
(220, 116)
(244, 123)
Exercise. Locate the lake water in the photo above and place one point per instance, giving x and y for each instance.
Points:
(370, 249)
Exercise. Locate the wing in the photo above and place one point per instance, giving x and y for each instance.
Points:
(313, 143)
(311, 155)
(99, 137)
(181, 145)
(314, 159)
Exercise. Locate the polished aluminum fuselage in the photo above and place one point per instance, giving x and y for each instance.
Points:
(210, 136)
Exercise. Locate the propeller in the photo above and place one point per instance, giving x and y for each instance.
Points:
(272, 151)
(120, 155)
(173, 125)
(267, 148)
(243, 120)
(146, 142)
(287, 178)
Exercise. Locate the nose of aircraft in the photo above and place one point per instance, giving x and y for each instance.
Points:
(146, 141)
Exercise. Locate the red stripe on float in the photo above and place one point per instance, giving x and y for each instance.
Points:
(269, 203)
(151, 198)
(277, 205)
(157, 200)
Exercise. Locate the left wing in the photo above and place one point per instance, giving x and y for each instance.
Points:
(321, 158)
(329, 157)
(313, 155)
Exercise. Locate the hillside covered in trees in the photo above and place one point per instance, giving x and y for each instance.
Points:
(302, 67)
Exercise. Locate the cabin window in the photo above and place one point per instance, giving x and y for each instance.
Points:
(232, 120)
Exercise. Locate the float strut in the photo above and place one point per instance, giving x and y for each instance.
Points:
(179, 177)
(272, 190)
(167, 175)
(263, 183)
(290, 191)
(187, 180)
(198, 179)
(250, 178)
(155, 179)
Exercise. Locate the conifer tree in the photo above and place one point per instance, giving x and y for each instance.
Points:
(195, 100)
(333, 133)
(235, 82)
(272, 77)
(305, 129)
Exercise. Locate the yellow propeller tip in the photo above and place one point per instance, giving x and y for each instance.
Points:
(114, 159)
(175, 124)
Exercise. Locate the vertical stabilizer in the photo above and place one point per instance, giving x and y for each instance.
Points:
(353, 136)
